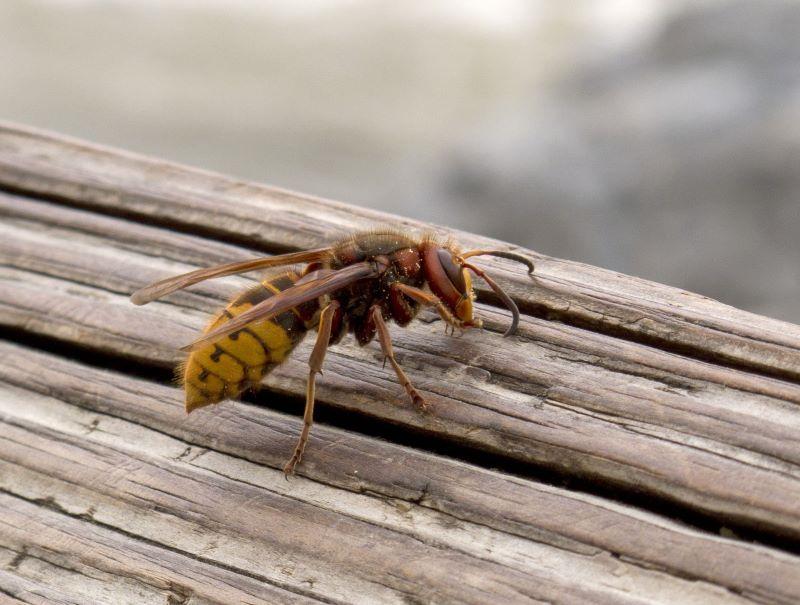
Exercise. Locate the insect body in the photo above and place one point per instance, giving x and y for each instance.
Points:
(238, 361)
(353, 286)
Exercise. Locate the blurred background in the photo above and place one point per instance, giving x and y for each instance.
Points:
(655, 138)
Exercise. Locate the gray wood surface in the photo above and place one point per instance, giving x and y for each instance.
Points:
(674, 417)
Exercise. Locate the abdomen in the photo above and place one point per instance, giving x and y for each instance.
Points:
(239, 361)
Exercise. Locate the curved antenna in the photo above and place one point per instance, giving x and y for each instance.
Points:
(507, 301)
(502, 254)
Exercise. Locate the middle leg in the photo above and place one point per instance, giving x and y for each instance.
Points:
(386, 346)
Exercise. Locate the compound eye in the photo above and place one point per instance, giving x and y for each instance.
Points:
(454, 272)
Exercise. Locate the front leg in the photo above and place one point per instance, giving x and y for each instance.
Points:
(430, 300)
(386, 346)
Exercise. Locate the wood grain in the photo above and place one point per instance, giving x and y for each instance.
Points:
(651, 398)
(94, 564)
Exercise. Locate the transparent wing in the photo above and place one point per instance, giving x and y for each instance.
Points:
(288, 299)
(179, 282)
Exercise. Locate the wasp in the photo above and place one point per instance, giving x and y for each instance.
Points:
(356, 285)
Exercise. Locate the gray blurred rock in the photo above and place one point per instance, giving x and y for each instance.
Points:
(678, 160)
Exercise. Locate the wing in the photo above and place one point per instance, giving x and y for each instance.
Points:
(289, 298)
(179, 282)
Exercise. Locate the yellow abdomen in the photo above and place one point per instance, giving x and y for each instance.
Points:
(238, 362)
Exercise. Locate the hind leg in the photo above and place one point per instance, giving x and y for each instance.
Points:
(315, 367)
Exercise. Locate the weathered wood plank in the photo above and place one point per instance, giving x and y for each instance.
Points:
(152, 190)
(248, 524)
(90, 563)
(15, 590)
(275, 537)
(90, 444)
(714, 439)
(107, 490)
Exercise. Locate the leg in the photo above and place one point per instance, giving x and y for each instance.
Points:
(315, 366)
(386, 346)
(430, 300)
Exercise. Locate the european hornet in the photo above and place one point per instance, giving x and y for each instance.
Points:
(353, 286)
